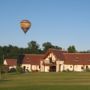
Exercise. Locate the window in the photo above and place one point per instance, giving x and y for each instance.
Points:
(24, 68)
(82, 67)
(70, 66)
(86, 67)
(50, 59)
(39, 66)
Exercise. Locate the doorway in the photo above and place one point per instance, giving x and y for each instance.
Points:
(52, 68)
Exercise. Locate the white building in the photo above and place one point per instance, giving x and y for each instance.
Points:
(52, 61)
(58, 61)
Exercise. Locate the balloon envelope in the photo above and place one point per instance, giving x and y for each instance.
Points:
(25, 25)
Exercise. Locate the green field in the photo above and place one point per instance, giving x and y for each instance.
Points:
(46, 81)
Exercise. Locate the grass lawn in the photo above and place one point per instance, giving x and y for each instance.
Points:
(46, 81)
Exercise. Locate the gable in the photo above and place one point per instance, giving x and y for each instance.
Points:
(5, 63)
(58, 54)
(50, 56)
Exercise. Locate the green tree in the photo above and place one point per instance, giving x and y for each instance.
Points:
(71, 49)
(33, 47)
(47, 45)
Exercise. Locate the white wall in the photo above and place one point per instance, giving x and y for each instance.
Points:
(59, 66)
(41, 66)
(46, 68)
(77, 68)
(27, 66)
(88, 66)
(35, 67)
(10, 67)
(68, 67)
(47, 61)
(30, 67)
(5, 63)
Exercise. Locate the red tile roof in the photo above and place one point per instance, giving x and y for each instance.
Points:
(70, 58)
(77, 58)
(11, 62)
(58, 53)
(33, 59)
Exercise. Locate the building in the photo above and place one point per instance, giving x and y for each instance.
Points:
(31, 62)
(76, 61)
(52, 61)
(10, 63)
(58, 61)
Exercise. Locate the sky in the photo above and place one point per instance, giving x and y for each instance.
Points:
(61, 22)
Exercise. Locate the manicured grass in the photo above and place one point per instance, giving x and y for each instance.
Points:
(46, 81)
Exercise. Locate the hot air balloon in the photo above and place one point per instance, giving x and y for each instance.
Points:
(25, 25)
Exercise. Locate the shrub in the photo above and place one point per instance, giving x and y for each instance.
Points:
(20, 70)
(12, 70)
(87, 70)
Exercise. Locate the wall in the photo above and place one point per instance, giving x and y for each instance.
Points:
(47, 61)
(35, 67)
(59, 66)
(46, 68)
(41, 66)
(51, 55)
(81, 67)
(27, 66)
(77, 68)
(5, 63)
(10, 67)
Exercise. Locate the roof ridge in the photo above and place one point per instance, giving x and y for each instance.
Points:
(10, 59)
(55, 49)
(33, 54)
(76, 53)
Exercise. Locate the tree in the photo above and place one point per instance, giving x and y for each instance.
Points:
(33, 46)
(71, 49)
(57, 47)
(48, 45)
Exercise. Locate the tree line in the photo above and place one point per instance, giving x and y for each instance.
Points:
(33, 47)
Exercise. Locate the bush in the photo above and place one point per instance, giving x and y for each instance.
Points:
(12, 70)
(87, 70)
(34, 70)
(20, 70)
(67, 70)
(4, 69)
